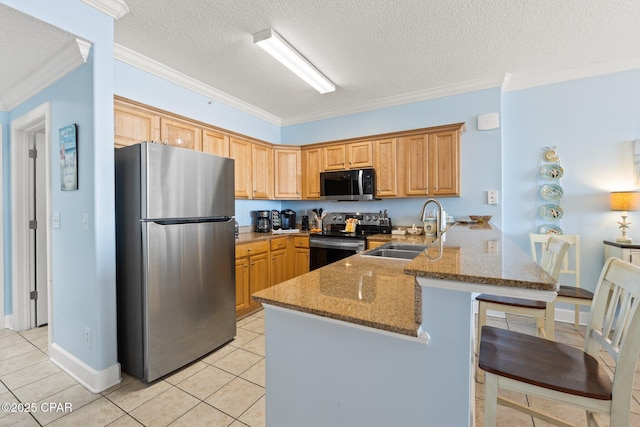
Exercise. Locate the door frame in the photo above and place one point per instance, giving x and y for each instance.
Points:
(35, 120)
(2, 321)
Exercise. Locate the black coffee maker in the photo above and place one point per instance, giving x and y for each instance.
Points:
(288, 219)
(263, 221)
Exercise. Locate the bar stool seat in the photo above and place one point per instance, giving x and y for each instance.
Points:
(514, 302)
(556, 366)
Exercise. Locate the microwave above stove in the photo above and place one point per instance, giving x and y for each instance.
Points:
(348, 185)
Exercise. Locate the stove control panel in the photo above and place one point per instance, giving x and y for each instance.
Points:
(363, 218)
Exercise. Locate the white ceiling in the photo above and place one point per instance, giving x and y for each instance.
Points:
(377, 52)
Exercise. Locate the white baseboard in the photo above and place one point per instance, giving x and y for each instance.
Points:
(94, 381)
(8, 321)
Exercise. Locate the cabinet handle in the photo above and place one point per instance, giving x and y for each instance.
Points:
(253, 263)
(248, 249)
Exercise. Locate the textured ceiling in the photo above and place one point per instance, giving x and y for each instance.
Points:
(375, 51)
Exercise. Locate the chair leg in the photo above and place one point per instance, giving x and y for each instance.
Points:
(576, 320)
(482, 320)
(490, 399)
(549, 321)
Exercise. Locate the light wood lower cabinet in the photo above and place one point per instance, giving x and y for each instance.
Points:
(301, 255)
(252, 274)
(279, 260)
(374, 244)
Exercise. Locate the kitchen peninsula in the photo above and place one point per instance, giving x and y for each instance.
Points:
(385, 342)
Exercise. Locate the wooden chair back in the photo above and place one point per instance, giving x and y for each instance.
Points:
(571, 262)
(553, 256)
(614, 323)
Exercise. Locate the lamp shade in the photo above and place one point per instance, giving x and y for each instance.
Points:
(625, 200)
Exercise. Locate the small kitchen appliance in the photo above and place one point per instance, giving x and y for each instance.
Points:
(263, 223)
(288, 218)
(276, 223)
(304, 219)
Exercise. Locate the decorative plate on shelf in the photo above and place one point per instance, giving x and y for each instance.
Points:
(550, 229)
(551, 171)
(551, 192)
(551, 155)
(551, 212)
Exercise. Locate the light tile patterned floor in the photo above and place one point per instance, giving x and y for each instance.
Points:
(224, 388)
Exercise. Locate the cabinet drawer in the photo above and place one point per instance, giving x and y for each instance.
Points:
(301, 242)
(252, 248)
(279, 243)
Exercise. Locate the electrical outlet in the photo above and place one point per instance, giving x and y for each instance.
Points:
(492, 247)
(87, 337)
(56, 220)
(492, 197)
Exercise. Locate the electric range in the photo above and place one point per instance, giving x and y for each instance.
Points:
(335, 243)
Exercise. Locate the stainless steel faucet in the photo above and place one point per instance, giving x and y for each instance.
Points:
(439, 214)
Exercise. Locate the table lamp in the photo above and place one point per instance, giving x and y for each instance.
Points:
(624, 201)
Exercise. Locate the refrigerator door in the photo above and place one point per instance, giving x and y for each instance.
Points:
(182, 183)
(189, 282)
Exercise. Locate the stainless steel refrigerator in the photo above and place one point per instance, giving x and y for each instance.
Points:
(175, 257)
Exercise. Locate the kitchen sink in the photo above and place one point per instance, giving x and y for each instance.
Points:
(396, 251)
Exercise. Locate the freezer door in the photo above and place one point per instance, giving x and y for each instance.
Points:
(189, 306)
(182, 183)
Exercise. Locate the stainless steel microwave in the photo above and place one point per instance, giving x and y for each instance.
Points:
(348, 185)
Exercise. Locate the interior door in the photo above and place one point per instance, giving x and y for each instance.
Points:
(37, 232)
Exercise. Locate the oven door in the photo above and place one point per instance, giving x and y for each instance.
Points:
(326, 250)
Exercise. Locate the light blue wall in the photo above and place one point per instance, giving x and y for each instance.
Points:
(83, 261)
(149, 89)
(480, 152)
(593, 123)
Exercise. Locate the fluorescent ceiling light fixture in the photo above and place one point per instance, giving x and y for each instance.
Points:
(278, 47)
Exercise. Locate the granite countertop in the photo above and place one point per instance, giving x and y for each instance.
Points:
(383, 293)
(252, 236)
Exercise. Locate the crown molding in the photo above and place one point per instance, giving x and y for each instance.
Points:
(392, 101)
(575, 73)
(114, 8)
(61, 63)
(154, 67)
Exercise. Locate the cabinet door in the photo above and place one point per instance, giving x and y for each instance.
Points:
(287, 173)
(416, 151)
(243, 298)
(334, 157)
(181, 134)
(258, 273)
(240, 151)
(443, 151)
(311, 168)
(132, 125)
(301, 261)
(360, 155)
(214, 142)
(278, 266)
(262, 166)
(385, 155)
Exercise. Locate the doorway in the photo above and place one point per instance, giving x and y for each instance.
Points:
(31, 213)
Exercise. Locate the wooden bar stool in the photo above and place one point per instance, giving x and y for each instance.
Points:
(551, 261)
(559, 372)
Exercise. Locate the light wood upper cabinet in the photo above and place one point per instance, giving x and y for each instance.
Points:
(385, 162)
(354, 155)
(240, 151)
(311, 168)
(287, 170)
(181, 133)
(415, 150)
(215, 142)
(262, 171)
(334, 157)
(134, 125)
(444, 151)
(431, 163)
(360, 155)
